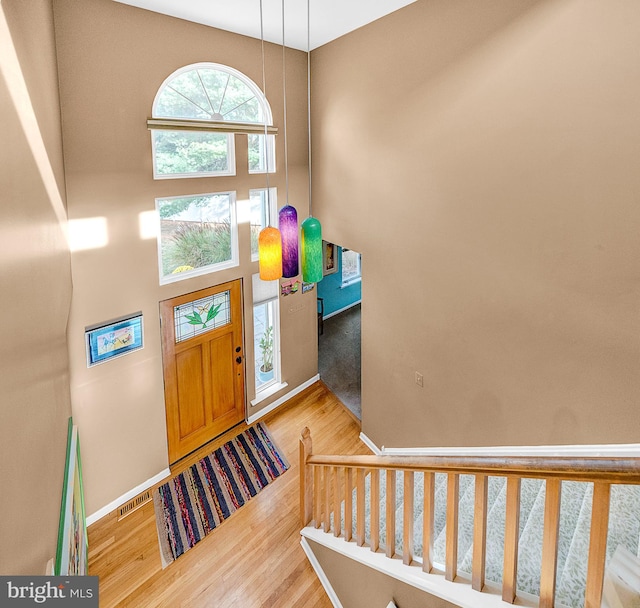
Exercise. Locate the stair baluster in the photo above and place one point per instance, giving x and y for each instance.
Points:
(337, 526)
(407, 519)
(479, 531)
(550, 543)
(317, 497)
(428, 518)
(375, 509)
(597, 543)
(453, 499)
(348, 503)
(511, 532)
(360, 507)
(390, 513)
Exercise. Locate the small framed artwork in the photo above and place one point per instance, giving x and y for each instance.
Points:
(329, 258)
(289, 287)
(72, 550)
(114, 338)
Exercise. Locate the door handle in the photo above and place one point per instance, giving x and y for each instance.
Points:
(238, 359)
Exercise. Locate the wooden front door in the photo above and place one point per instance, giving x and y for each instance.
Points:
(203, 362)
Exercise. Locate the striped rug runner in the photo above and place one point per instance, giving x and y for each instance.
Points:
(198, 500)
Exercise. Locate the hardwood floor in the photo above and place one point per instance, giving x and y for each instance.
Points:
(254, 558)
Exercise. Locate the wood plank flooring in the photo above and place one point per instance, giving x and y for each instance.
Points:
(254, 558)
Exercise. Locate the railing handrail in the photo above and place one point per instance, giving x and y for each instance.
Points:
(320, 485)
(593, 468)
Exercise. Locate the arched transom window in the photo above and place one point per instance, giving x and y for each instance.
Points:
(197, 110)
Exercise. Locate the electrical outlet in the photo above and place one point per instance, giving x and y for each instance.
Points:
(419, 379)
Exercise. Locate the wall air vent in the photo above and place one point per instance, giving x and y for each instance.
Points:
(133, 504)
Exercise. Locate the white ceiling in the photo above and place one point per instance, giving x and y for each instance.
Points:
(330, 19)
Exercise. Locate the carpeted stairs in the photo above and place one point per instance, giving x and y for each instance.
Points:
(573, 543)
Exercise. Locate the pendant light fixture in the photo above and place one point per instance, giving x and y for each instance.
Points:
(311, 228)
(269, 239)
(288, 224)
(270, 253)
(287, 216)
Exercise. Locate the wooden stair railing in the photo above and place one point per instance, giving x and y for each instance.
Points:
(322, 477)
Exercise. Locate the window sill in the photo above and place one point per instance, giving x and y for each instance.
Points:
(267, 392)
(350, 283)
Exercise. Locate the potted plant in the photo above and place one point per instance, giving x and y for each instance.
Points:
(266, 346)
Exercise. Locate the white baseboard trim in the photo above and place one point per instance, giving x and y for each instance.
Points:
(459, 592)
(315, 564)
(372, 446)
(612, 450)
(114, 504)
(278, 402)
(337, 312)
(629, 450)
(100, 513)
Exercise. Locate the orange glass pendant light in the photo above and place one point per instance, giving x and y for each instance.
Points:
(270, 254)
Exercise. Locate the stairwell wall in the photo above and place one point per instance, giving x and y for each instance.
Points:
(483, 159)
(358, 586)
(35, 291)
(112, 60)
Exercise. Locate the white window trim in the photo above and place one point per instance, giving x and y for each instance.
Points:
(350, 282)
(196, 272)
(231, 163)
(265, 390)
(158, 121)
(273, 210)
(354, 280)
(270, 156)
(277, 372)
(269, 390)
(268, 118)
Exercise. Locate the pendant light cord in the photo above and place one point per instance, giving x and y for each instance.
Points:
(284, 89)
(309, 93)
(264, 91)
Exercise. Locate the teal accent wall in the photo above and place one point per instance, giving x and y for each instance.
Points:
(335, 297)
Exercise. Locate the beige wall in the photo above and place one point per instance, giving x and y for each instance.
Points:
(112, 60)
(35, 286)
(483, 157)
(358, 586)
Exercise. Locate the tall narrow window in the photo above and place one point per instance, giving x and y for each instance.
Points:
(264, 213)
(266, 332)
(209, 98)
(260, 154)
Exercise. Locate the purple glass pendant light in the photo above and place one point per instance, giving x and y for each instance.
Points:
(288, 223)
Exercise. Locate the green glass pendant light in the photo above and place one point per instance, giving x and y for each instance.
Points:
(311, 240)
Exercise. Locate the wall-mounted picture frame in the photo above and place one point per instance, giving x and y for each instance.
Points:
(289, 287)
(72, 553)
(114, 338)
(329, 258)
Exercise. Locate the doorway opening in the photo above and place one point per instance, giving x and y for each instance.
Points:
(339, 325)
